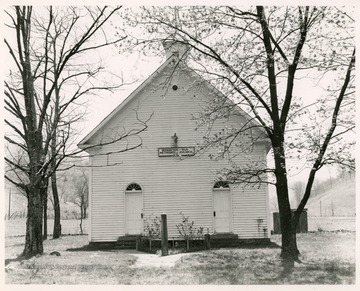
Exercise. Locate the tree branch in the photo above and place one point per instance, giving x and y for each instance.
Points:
(320, 156)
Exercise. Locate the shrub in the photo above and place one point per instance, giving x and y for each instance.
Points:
(186, 228)
(152, 227)
(320, 229)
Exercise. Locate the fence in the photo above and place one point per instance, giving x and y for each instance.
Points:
(153, 244)
(66, 215)
(17, 227)
(189, 244)
(15, 215)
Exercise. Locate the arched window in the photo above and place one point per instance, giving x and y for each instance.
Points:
(221, 185)
(133, 187)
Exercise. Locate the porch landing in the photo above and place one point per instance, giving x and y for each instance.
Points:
(217, 240)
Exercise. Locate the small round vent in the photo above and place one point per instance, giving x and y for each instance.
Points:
(175, 87)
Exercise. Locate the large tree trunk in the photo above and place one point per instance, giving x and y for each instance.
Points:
(57, 222)
(34, 239)
(33, 136)
(289, 250)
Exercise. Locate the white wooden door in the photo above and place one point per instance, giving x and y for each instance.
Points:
(222, 211)
(133, 213)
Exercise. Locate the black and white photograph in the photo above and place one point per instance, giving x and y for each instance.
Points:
(184, 143)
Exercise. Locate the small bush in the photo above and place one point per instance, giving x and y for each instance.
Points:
(152, 227)
(186, 228)
(320, 229)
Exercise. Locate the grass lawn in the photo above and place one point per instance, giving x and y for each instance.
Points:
(327, 258)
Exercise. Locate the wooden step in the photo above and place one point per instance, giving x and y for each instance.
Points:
(126, 242)
(216, 236)
(224, 240)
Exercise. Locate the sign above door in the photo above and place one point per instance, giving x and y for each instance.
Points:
(176, 152)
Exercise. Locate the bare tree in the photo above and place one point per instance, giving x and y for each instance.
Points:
(81, 193)
(55, 68)
(257, 57)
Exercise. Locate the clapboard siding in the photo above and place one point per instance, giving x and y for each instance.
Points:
(169, 185)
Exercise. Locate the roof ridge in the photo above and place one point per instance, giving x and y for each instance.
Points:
(124, 102)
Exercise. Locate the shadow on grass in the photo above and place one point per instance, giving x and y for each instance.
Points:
(280, 274)
(112, 247)
(288, 267)
(18, 259)
(91, 248)
(15, 245)
(269, 245)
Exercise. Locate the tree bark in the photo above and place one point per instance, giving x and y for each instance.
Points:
(34, 224)
(44, 199)
(289, 250)
(57, 221)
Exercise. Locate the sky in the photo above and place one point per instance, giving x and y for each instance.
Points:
(140, 67)
(135, 70)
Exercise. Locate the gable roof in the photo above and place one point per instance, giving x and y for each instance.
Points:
(253, 123)
(113, 113)
(158, 71)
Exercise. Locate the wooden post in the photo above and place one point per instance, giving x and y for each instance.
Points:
(164, 236)
(207, 241)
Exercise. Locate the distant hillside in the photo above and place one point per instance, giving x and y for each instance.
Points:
(338, 201)
(18, 206)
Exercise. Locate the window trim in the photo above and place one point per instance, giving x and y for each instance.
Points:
(221, 185)
(133, 187)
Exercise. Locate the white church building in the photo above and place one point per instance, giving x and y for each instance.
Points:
(166, 174)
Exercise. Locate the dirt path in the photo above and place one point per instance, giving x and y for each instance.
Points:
(152, 260)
